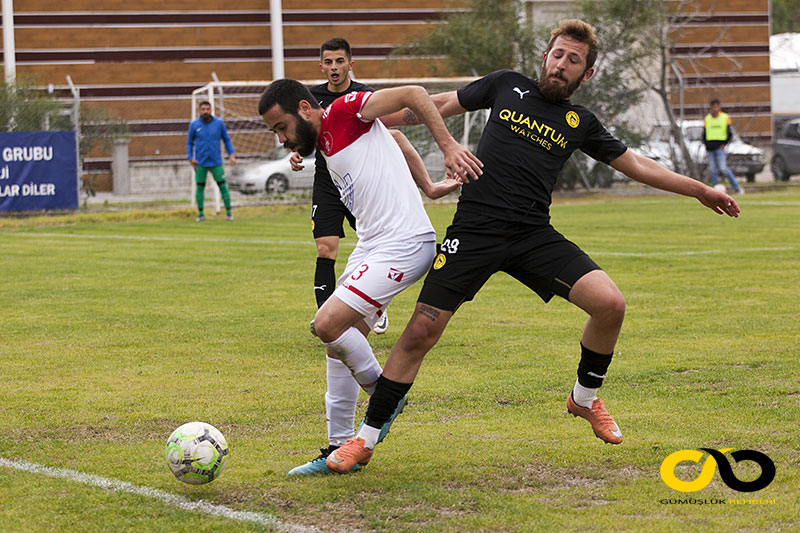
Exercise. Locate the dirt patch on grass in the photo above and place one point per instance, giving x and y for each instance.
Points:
(516, 478)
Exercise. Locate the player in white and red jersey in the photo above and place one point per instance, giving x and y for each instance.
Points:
(378, 190)
(396, 239)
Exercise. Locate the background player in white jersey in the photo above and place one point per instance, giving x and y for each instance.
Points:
(396, 240)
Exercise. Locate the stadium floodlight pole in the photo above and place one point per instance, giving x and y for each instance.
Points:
(276, 29)
(9, 52)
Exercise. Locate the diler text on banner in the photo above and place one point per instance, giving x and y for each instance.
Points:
(38, 171)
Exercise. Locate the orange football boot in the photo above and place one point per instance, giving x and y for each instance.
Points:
(603, 425)
(352, 453)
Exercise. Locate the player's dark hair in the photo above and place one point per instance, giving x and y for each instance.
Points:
(580, 31)
(287, 93)
(714, 101)
(337, 43)
(204, 102)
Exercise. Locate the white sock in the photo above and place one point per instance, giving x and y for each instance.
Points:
(583, 396)
(340, 402)
(354, 351)
(370, 436)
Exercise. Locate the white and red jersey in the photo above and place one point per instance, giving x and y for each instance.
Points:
(372, 176)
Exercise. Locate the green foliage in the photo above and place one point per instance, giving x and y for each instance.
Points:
(493, 35)
(25, 107)
(133, 323)
(785, 16)
(489, 36)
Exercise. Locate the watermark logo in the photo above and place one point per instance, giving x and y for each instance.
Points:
(716, 459)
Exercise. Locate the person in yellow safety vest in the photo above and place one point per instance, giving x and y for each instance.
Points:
(716, 134)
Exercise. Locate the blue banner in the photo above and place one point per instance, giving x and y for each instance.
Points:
(38, 170)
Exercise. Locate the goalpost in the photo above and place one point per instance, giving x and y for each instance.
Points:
(236, 102)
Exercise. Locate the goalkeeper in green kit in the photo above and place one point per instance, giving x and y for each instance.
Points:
(203, 152)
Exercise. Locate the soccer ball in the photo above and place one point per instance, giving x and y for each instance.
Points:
(196, 453)
(720, 187)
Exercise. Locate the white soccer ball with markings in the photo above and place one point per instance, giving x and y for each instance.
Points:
(196, 453)
(720, 187)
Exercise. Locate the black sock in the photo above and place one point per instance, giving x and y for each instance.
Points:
(592, 368)
(384, 401)
(324, 279)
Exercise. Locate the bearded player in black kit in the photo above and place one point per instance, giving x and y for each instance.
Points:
(502, 223)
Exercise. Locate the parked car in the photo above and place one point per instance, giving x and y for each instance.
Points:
(744, 159)
(273, 176)
(786, 151)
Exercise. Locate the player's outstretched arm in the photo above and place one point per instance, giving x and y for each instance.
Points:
(420, 173)
(459, 161)
(447, 104)
(645, 170)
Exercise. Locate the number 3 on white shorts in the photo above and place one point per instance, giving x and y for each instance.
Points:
(363, 268)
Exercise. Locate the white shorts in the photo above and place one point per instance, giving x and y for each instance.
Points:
(373, 277)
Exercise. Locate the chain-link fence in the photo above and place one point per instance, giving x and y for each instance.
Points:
(28, 107)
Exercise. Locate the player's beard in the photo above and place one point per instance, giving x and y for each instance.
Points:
(306, 137)
(552, 91)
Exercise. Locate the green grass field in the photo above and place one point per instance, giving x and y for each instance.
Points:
(120, 326)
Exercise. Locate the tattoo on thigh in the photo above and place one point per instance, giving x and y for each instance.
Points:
(429, 312)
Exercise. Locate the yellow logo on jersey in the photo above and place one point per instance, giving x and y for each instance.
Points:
(312, 225)
(573, 119)
(439, 262)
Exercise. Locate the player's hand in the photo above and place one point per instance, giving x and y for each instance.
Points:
(719, 202)
(232, 159)
(296, 161)
(444, 187)
(461, 163)
(193, 162)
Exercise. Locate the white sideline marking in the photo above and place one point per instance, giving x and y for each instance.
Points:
(175, 500)
(90, 236)
(695, 252)
(352, 245)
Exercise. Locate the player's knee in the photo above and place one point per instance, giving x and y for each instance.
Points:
(325, 327)
(418, 338)
(612, 309)
(327, 250)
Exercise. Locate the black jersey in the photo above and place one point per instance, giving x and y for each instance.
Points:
(524, 145)
(325, 98)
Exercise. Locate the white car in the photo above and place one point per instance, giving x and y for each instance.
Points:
(273, 176)
(743, 159)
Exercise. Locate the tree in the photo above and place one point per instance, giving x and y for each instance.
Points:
(785, 16)
(488, 36)
(637, 39)
(24, 107)
(492, 35)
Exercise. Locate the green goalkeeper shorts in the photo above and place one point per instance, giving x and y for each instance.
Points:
(200, 174)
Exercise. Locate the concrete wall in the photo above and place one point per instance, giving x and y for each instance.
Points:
(161, 177)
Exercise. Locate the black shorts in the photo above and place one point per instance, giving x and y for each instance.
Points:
(476, 247)
(328, 212)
